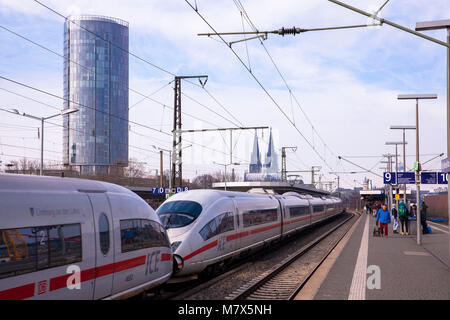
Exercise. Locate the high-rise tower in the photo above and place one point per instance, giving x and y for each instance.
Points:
(96, 82)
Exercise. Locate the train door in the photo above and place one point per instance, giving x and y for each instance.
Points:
(104, 250)
(238, 231)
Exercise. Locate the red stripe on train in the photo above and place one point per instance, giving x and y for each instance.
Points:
(19, 293)
(265, 228)
(198, 251)
(166, 257)
(237, 236)
(89, 274)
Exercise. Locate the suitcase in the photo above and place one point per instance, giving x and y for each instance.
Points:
(376, 232)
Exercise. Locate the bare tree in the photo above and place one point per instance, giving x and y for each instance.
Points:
(135, 169)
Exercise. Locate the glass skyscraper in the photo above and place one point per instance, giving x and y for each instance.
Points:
(96, 82)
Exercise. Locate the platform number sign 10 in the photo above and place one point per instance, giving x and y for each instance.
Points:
(443, 177)
(389, 177)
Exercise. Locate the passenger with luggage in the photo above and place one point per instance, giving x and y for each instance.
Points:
(394, 215)
(403, 214)
(384, 217)
(423, 217)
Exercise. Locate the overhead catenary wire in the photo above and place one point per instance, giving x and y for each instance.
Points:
(261, 85)
(291, 93)
(90, 70)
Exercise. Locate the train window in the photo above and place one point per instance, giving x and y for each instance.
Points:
(318, 208)
(255, 217)
(64, 244)
(18, 252)
(103, 230)
(140, 233)
(153, 235)
(27, 250)
(177, 214)
(218, 225)
(298, 211)
(129, 230)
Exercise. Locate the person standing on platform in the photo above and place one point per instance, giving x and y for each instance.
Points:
(374, 209)
(384, 217)
(394, 215)
(423, 217)
(404, 217)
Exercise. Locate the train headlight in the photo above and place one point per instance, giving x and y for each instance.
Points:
(175, 245)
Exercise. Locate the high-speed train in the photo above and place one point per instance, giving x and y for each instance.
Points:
(64, 238)
(209, 227)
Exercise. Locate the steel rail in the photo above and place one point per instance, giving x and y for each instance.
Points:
(277, 269)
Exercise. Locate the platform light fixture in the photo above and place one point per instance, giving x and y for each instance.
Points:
(417, 97)
(42, 119)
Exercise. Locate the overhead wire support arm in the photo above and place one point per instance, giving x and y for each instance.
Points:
(340, 158)
(283, 31)
(392, 24)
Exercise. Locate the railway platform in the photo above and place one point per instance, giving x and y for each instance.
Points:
(364, 267)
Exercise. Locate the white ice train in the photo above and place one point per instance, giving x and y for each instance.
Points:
(209, 227)
(63, 238)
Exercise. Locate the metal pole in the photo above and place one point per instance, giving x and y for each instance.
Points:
(390, 186)
(161, 179)
(42, 147)
(170, 172)
(225, 177)
(419, 233)
(448, 124)
(404, 164)
(396, 174)
(231, 146)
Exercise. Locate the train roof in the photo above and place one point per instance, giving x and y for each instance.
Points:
(30, 183)
(206, 197)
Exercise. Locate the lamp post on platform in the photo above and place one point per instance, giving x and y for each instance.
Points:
(435, 25)
(42, 119)
(417, 97)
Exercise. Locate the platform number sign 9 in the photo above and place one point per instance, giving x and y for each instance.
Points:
(389, 177)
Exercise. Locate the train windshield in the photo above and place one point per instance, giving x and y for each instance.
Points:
(177, 214)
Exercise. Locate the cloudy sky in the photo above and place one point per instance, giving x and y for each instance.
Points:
(337, 93)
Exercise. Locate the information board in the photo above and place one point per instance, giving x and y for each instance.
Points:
(168, 191)
(406, 178)
(428, 177)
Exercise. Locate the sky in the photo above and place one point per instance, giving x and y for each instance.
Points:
(336, 96)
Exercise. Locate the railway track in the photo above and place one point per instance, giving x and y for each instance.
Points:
(190, 289)
(284, 280)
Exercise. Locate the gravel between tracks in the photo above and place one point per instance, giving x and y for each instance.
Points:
(226, 287)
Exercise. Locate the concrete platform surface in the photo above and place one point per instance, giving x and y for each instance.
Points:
(393, 267)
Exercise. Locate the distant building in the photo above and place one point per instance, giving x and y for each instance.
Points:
(267, 172)
(95, 139)
(255, 160)
(271, 161)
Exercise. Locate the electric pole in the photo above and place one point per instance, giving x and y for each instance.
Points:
(177, 174)
(283, 162)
